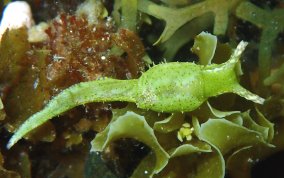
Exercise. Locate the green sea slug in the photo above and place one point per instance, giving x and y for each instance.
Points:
(167, 87)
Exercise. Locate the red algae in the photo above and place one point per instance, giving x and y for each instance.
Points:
(82, 52)
(75, 51)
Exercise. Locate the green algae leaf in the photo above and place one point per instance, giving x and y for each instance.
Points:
(116, 12)
(129, 14)
(249, 123)
(212, 165)
(196, 126)
(21, 80)
(157, 160)
(176, 2)
(132, 125)
(186, 149)
(19, 107)
(276, 77)
(187, 160)
(150, 116)
(206, 163)
(226, 135)
(273, 107)
(2, 112)
(271, 22)
(197, 165)
(177, 17)
(236, 165)
(204, 46)
(199, 160)
(23, 165)
(237, 119)
(261, 119)
(169, 124)
(1, 104)
(220, 114)
(184, 34)
(13, 49)
(206, 111)
(125, 14)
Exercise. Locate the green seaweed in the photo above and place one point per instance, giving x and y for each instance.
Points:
(206, 111)
(125, 14)
(129, 14)
(142, 132)
(131, 125)
(220, 136)
(249, 123)
(204, 46)
(214, 164)
(198, 163)
(176, 2)
(177, 17)
(184, 34)
(2, 112)
(271, 22)
(10, 69)
(275, 77)
(262, 120)
(225, 135)
(169, 124)
(237, 158)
